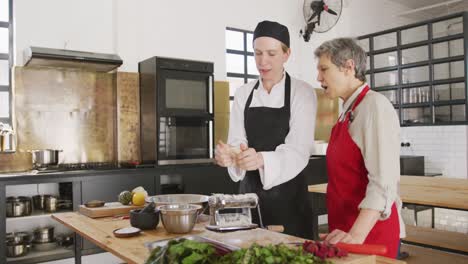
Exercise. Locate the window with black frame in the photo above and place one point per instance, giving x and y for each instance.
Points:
(6, 62)
(240, 60)
(420, 68)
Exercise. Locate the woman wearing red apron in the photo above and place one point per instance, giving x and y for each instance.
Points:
(363, 153)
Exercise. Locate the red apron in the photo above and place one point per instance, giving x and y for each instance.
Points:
(347, 184)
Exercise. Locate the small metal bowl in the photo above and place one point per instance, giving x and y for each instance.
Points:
(179, 218)
(95, 203)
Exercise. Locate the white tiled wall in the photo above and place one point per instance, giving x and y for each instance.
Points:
(445, 150)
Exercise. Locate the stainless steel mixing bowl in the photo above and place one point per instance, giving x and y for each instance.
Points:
(179, 218)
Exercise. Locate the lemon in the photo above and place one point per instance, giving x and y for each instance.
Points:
(138, 199)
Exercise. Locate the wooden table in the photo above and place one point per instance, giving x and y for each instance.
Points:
(132, 250)
(439, 192)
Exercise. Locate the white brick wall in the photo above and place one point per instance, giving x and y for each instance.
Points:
(445, 150)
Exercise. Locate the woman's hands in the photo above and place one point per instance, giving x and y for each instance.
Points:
(249, 159)
(224, 155)
(246, 158)
(339, 236)
(358, 232)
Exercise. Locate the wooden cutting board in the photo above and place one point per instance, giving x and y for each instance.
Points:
(109, 209)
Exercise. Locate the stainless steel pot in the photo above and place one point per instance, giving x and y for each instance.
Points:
(18, 237)
(15, 250)
(39, 202)
(50, 204)
(43, 235)
(18, 206)
(45, 157)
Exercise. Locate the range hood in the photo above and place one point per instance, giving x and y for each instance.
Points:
(60, 58)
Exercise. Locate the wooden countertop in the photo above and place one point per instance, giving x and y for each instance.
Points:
(435, 191)
(132, 250)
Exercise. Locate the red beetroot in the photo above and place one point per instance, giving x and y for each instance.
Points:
(323, 250)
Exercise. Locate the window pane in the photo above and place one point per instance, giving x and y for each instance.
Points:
(416, 115)
(4, 105)
(448, 49)
(447, 92)
(391, 95)
(385, 41)
(442, 92)
(4, 39)
(250, 42)
(234, 40)
(234, 83)
(449, 70)
(416, 95)
(414, 55)
(386, 78)
(414, 34)
(447, 27)
(4, 73)
(442, 113)
(251, 66)
(413, 75)
(458, 113)
(4, 9)
(458, 90)
(364, 43)
(235, 63)
(368, 63)
(385, 60)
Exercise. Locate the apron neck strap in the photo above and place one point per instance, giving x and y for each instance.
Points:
(356, 102)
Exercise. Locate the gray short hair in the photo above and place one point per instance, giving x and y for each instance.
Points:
(342, 49)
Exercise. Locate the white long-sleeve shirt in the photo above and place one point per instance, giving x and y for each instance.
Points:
(376, 131)
(290, 158)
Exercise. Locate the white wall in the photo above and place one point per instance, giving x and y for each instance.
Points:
(138, 30)
(359, 17)
(444, 148)
(184, 29)
(82, 25)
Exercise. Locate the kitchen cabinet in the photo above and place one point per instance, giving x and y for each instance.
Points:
(421, 69)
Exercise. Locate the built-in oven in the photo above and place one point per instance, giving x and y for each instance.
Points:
(184, 139)
(176, 111)
(184, 93)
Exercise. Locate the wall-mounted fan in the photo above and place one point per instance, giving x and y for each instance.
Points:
(320, 16)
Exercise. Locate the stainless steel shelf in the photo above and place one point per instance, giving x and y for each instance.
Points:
(42, 256)
(35, 215)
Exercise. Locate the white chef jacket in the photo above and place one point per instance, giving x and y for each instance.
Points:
(290, 158)
(376, 131)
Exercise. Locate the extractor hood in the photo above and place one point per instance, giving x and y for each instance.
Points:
(60, 58)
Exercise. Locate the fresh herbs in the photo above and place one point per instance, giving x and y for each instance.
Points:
(272, 254)
(185, 251)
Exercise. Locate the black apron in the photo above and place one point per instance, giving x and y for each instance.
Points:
(285, 204)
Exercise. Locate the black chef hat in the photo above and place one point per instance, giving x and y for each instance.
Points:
(273, 30)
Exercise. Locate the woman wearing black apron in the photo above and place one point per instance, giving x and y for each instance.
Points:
(272, 123)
